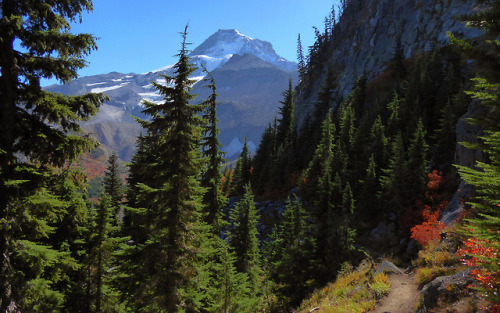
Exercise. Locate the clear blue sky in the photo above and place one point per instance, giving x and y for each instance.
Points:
(141, 35)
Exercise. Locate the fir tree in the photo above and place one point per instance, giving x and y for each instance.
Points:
(230, 291)
(417, 164)
(243, 238)
(168, 196)
(113, 184)
(242, 171)
(43, 128)
(290, 253)
(285, 132)
(301, 62)
(392, 180)
(211, 178)
(102, 297)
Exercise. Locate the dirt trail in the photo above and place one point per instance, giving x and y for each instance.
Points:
(403, 296)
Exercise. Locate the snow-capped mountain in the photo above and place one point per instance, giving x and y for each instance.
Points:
(250, 78)
(226, 42)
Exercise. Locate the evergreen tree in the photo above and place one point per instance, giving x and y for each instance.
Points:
(484, 228)
(230, 291)
(101, 296)
(168, 196)
(285, 132)
(113, 184)
(346, 232)
(290, 253)
(211, 177)
(242, 236)
(263, 160)
(242, 171)
(417, 165)
(38, 130)
(393, 178)
(325, 96)
(394, 121)
(301, 62)
(367, 201)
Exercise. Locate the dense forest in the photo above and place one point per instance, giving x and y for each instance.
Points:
(184, 233)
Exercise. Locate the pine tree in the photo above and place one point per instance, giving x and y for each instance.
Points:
(242, 236)
(168, 196)
(113, 184)
(301, 62)
(368, 204)
(346, 232)
(285, 132)
(211, 178)
(290, 253)
(325, 96)
(393, 178)
(242, 171)
(42, 127)
(101, 296)
(263, 160)
(417, 165)
(394, 121)
(230, 291)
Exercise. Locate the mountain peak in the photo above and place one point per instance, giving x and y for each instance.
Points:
(226, 42)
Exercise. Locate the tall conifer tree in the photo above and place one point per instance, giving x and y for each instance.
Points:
(113, 184)
(243, 238)
(211, 178)
(36, 43)
(168, 195)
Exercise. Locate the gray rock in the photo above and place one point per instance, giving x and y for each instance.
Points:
(383, 230)
(449, 286)
(456, 204)
(388, 267)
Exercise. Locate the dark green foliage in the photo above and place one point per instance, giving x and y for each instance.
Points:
(290, 254)
(101, 297)
(417, 164)
(229, 290)
(300, 58)
(393, 179)
(211, 178)
(243, 240)
(325, 96)
(166, 198)
(113, 184)
(286, 124)
(39, 129)
(274, 163)
(242, 171)
(484, 228)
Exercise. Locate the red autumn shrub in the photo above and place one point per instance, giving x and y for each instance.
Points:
(485, 258)
(431, 228)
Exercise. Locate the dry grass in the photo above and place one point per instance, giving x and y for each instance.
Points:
(355, 292)
(435, 260)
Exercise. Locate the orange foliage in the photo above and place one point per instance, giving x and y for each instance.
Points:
(431, 228)
(423, 220)
(92, 166)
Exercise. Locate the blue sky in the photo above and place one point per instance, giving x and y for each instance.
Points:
(140, 36)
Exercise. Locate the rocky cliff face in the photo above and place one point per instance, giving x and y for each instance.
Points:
(366, 35)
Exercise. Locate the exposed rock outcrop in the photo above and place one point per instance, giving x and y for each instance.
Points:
(366, 35)
(446, 286)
